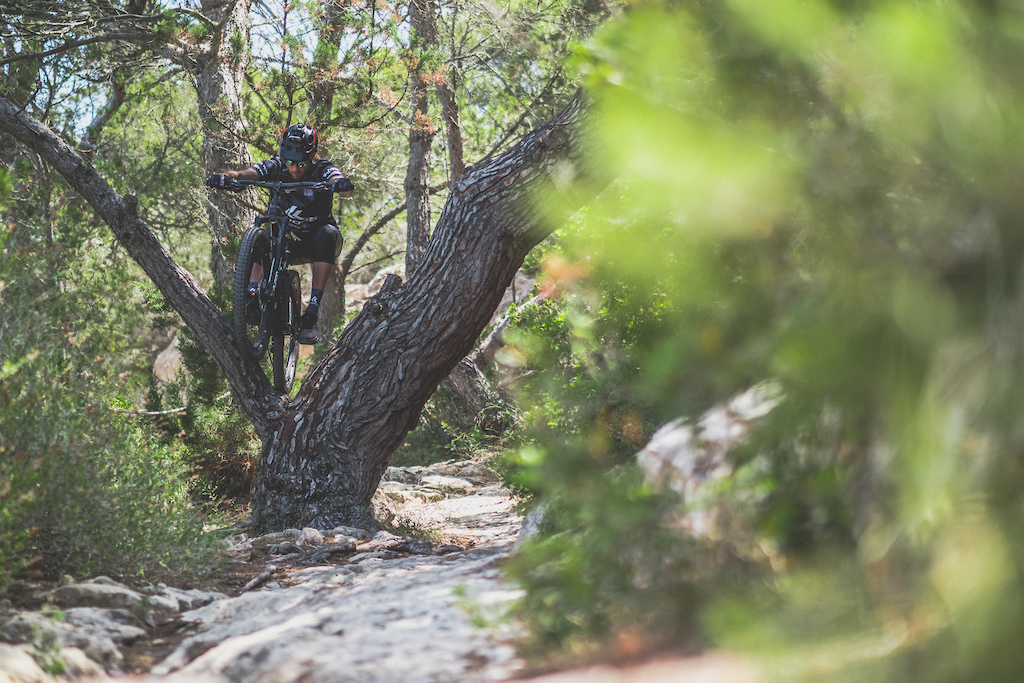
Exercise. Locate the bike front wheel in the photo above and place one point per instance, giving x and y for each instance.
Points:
(253, 317)
(285, 361)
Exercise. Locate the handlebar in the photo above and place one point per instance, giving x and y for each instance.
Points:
(236, 185)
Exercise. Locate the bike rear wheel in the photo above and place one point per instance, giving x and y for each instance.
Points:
(252, 333)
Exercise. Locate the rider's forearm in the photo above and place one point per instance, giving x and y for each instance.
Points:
(246, 174)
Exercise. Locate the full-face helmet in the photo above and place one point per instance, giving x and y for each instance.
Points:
(298, 143)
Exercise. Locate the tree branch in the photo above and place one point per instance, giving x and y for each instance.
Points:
(260, 403)
(72, 44)
(350, 256)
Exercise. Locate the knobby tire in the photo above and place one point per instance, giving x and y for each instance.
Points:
(252, 339)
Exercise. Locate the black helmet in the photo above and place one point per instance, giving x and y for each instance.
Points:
(298, 143)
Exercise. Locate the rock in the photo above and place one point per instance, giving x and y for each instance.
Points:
(405, 494)
(531, 525)
(100, 592)
(374, 555)
(239, 547)
(477, 473)
(116, 624)
(382, 616)
(104, 593)
(401, 474)
(187, 600)
(78, 665)
(447, 484)
(310, 536)
(692, 460)
(383, 538)
(448, 468)
(286, 548)
(344, 545)
(95, 640)
(446, 549)
(165, 367)
(16, 666)
(384, 509)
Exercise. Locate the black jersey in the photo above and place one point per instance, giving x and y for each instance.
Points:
(306, 209)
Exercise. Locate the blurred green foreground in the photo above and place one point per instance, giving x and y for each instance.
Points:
(830, 195)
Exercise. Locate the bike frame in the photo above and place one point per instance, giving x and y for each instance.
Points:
(278, 230)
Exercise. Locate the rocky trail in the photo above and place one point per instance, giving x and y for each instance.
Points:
(312, 605)
(323, 606)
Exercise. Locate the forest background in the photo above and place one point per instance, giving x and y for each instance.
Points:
(821, 195)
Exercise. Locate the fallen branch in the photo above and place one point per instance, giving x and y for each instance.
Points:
(263, 577)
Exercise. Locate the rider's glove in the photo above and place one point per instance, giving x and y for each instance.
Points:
(343, 185)
(217, 180)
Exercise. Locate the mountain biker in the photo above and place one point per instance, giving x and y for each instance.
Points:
(316, 238)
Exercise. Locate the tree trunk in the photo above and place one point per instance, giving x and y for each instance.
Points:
(219, 74)
(421, 137)
(453, 129)
(324, 451)
(325, 64)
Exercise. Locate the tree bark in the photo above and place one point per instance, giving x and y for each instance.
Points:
(453, 129)
(333, 304)
(421, 137)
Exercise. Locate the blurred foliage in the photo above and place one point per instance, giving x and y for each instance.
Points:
(212, 436)
(825, 194)
(85, 489)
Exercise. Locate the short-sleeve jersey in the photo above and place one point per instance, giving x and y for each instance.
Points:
(306, 209)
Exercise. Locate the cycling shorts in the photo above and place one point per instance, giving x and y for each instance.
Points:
(322, 245)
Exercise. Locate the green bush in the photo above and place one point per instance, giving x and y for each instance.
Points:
(85, 488)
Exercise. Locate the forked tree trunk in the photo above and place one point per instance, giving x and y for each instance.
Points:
(323, 464)
(324, 451)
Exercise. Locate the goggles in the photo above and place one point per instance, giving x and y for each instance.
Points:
(297, 164)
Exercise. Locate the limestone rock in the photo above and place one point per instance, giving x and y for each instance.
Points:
(165, 367)
(384, 509)
(277, 537)
(447, 484)
(116, 624)
(401, 474)
(99, 592)
(477, 473)
(689, 460)
(186, 600)
(95, 641)
(310, 536)
(78, 665)
(17, 666)
(239, 547)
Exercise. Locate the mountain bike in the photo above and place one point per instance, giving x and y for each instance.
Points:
(263, 322)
